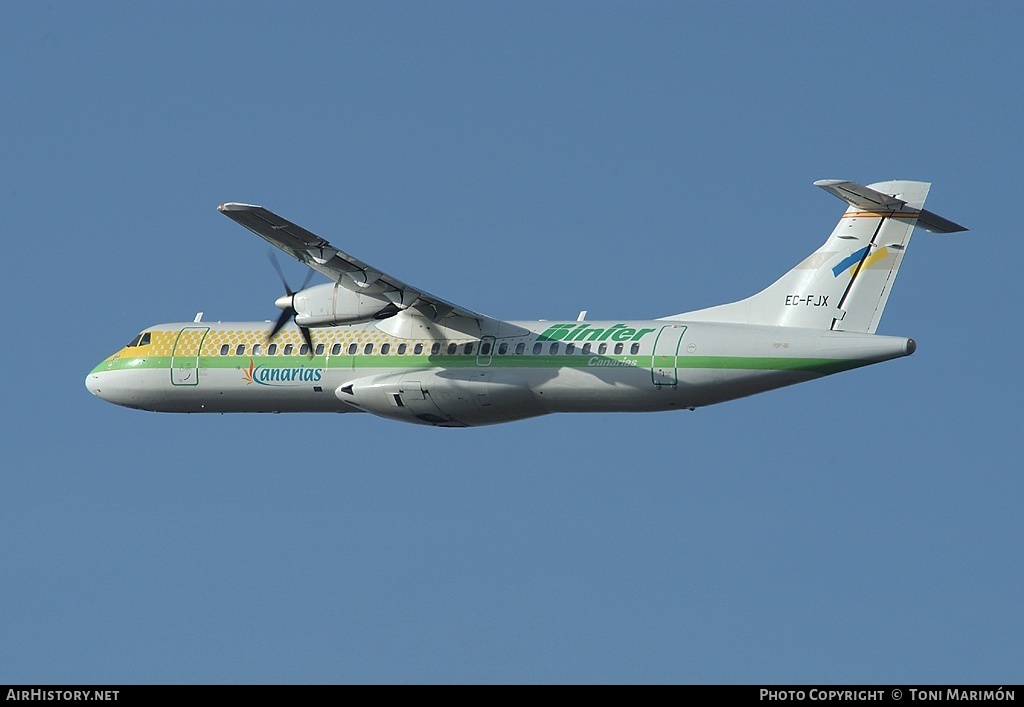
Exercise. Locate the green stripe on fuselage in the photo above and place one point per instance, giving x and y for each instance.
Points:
(745, 363)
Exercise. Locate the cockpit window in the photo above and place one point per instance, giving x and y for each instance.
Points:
(142, 339)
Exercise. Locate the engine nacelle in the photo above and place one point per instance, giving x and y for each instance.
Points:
(444, 398)
(330, 304)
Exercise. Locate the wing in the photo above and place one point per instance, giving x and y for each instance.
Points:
(349, 272)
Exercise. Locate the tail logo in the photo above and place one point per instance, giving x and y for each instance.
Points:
(856, 262)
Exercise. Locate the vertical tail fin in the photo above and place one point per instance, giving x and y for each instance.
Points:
(845, 284)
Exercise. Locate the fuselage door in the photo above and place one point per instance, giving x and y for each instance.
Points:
(185, 357)
(663, 358)
(485, 352)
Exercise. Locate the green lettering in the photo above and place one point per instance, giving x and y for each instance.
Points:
(623, 334)
(608, 332)
(589, 335)
(574, 334)
(639, 335)
(577, 333)
(555, 333)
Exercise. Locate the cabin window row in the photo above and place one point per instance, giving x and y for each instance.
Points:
(451, 349)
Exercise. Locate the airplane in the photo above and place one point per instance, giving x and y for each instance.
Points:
(369, 342)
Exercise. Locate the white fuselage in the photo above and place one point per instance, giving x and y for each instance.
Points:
(530, 369)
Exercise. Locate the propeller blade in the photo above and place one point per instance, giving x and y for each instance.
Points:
(281, 321)
(280, 272)
(308, 339)
(288, 312)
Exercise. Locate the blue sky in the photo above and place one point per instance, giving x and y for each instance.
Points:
(527, 160)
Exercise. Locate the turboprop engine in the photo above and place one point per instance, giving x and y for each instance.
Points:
(325, 305)
(331, 304)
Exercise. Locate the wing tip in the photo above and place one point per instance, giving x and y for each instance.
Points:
(235, 206)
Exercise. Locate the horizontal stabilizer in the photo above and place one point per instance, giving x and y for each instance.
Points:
(860, 196)
(936, 224)
(866, 198)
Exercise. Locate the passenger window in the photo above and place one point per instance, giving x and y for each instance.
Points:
(554, 349)
(352, 348)
(240, 350)
(417, 349)
(468, 349)
(257, 349)
(401, 349)
(224, 350)
(586, 349)
(304, 349)
(520, 348)
(602, 348)
(502, 348)
(319, 349)
(634, 349)
(384, 348)
(618, 348)
(570, 349)
(368, 349)
(451, 348)
(336, 350)
(288, 348)
(485, 348)
(435, 348)
(537, 348)
(272, 349)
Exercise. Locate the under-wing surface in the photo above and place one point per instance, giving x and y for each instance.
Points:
(368, 342)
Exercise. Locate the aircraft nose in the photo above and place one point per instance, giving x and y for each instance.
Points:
(92, 382)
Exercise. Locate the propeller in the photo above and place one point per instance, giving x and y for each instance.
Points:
(286, 303)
